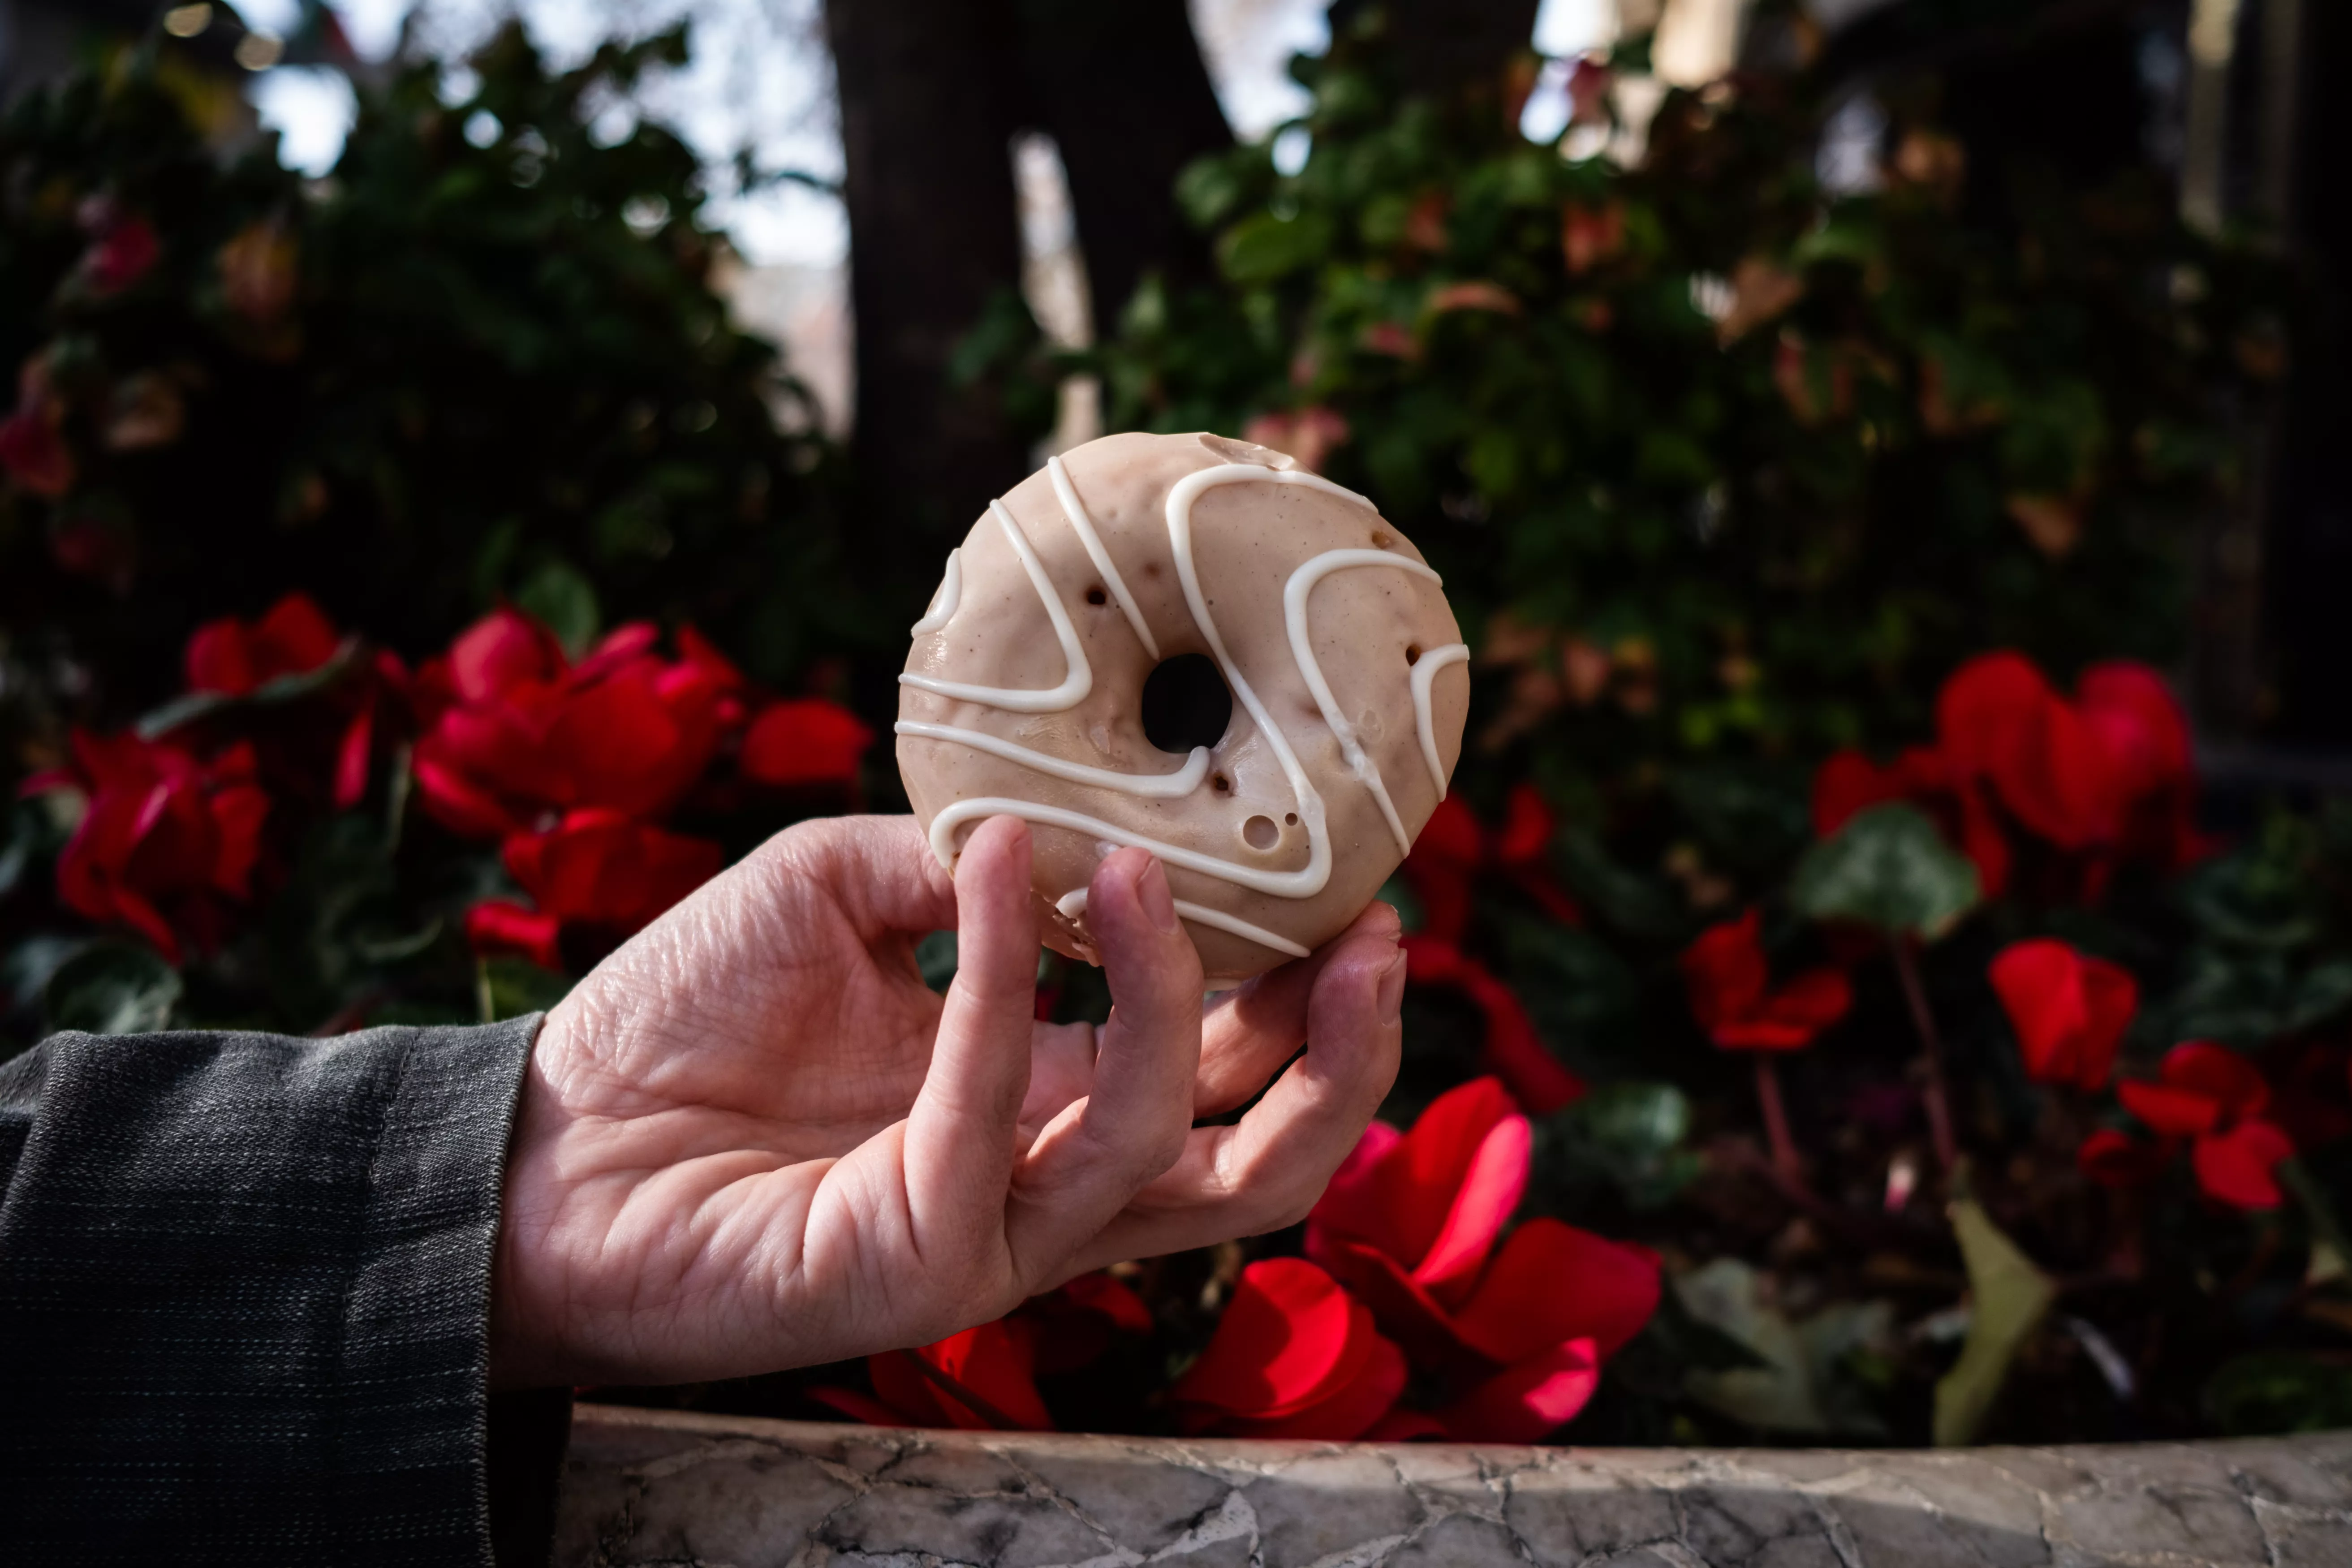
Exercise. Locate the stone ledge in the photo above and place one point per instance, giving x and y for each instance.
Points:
(661, 1486)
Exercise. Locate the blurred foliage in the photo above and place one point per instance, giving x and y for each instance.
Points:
(1718, 462)
(485, 357)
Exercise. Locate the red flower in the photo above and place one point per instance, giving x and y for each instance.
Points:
(984, 1378)
(1998, 719)
(2216, 1098)
(1075, 1324)
(1412, 1223)
(981, 1380)
(513, 732)
(1454, 847)
(163, 837)
(124, 249)
(1512, 1048)
(807, 742)
(1293, 1356)
(2070, 1012)
(599, 870)
(2132, 713)
(236, 657)
(32, 444)
(1731, 995)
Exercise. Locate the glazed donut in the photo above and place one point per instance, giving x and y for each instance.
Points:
(1087, 603)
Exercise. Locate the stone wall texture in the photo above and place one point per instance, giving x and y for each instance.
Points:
(658, 1487)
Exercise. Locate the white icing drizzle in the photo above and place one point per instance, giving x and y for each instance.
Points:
(944, 602)
(1075, 685)
(1076, 510)
(1304, 883)
(1183, 782)
(1423, 723)
(1073, 905)
(1302, 648)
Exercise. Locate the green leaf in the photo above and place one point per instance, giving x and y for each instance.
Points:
(559, 596)
(1625, 1136)
(2008, 1297)
(935, 956)
(510, 987)
(2278, 1391)
(111, 988)
(1263, 247)
(1888, 868)
(195, 705)
(1800, 1382)
(1752, 815)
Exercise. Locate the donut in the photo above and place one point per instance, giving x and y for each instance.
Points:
(1192, 644)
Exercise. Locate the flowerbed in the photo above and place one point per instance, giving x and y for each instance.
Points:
(1834, 1016)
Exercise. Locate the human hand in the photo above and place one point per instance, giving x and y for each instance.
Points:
(753, 1139)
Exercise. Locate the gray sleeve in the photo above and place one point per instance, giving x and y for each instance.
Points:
(244, 1294)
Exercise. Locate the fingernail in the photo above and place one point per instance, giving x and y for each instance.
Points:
(1151, 892)
(1393, 990)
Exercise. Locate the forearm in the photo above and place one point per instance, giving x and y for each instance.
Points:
(246, 1282)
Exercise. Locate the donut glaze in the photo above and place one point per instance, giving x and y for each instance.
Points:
(1023, 689)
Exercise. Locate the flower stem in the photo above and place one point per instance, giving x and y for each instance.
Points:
(1775, 1121)
(1931, 1053)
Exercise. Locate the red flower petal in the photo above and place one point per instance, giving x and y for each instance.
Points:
(500, 926)
(2172, 1111)
(1846, 784)
(1551, 1281)
(860, 1406)
(2233, 1084)
(455, 802)
(1350, 1409)
(988, 1373)
(353, 754)
(2132, 711)
(219, 657)
(1527, 828)
(2070, 1012)
(2236, 1167)
(1281, 1347)
(1484, 1197)
(602, 867)
(1457, 1175)
(808, 741)
(1999, 718)
(1725, 972)
(1406, 1313)
(1525, 1402)
(1986, 708)
(2114, 1159)
(1429, 960)
(504, 649)
(1811, 1002)
(237, 816)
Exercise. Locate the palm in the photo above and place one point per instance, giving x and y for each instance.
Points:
(727, 1159)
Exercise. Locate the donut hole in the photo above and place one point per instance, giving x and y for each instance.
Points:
(1095, 595)
(1413, 653)
(1290, 817)
(1186, 704)
(1221, 783)
(1260, 832)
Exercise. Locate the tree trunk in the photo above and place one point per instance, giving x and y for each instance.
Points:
(930, 96)
(1121, 85)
